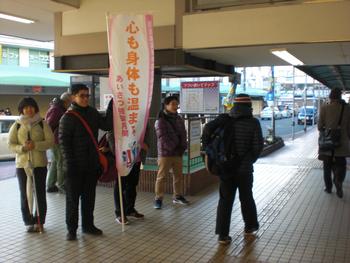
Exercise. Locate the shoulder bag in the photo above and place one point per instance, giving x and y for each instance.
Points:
(103, 160)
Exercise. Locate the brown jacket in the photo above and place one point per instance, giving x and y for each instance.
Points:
(329, 117)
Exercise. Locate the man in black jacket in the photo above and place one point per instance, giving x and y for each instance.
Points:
(243, 136)
(80, 160)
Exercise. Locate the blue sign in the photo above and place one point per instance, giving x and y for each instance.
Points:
(270, 96)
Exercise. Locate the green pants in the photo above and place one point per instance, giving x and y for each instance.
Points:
(56, 174)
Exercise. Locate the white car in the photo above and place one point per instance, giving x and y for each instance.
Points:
(286, 113)
(266, 113)
(5, 125)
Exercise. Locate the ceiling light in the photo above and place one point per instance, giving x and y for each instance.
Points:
(286, 56)
(16, 18)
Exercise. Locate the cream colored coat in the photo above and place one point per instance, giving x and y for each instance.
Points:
(329, 117)
(43, 140)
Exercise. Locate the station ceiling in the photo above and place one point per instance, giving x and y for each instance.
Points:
(329, 63)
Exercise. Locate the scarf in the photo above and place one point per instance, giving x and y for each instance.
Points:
(29, 121)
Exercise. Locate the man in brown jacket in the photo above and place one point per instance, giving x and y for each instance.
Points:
(335, 161)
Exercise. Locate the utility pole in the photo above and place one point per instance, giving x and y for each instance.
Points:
(305, 91)
(293, 109)
(244, 79)
(273, 105)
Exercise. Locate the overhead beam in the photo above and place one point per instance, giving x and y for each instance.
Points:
(72, 3)
(173, 62)
(340, 76)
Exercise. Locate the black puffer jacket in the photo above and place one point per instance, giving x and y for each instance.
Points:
(243, 132)
(78, 150)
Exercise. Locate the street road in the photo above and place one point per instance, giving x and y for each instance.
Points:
(283, 127)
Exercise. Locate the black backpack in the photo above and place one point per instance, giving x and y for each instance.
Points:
(219, 147)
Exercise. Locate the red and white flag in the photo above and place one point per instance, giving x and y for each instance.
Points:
(131, 59)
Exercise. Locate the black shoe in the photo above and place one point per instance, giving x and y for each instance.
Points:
(30, 229)
(224, 240)
(180, 200)
(340, 193)
(71, 236)
(93, 231)
(251, 230)
(339, 187)
(327, 190)
(52, 189)
(136, 215)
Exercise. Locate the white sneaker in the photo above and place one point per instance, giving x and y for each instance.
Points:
(180, 200)
(119, 220)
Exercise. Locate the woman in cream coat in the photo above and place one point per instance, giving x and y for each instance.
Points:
(29, 137)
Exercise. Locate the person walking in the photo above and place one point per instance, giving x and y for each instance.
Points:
(335, 161)
(80, 159)
(243, 137)
(129, 182)
(29, 137)
(8, 112)
(171, 145)
(55, 177)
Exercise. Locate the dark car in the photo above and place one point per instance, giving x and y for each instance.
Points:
(308, 115)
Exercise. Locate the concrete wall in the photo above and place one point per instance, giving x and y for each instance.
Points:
(300, 23)
(83, 31)
(94, 11)
(13, 100)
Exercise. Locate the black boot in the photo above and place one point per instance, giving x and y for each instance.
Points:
(92, 230)
(71, 235)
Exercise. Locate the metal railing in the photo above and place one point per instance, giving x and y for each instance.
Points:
(189, 161)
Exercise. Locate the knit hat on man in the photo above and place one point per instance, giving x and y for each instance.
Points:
(335, 94)
(243, 99)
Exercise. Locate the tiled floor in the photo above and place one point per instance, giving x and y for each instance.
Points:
(299, 222)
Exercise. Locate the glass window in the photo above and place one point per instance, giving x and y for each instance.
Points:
(5, 125)
(39, 58)
(10, 56)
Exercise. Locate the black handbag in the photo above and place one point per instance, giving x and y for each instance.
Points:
(329, 139)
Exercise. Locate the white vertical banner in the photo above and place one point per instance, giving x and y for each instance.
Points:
(131, 59)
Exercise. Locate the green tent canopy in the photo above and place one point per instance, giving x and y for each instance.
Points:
(23, 76)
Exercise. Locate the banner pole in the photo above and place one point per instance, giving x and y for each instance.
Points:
(121, 202)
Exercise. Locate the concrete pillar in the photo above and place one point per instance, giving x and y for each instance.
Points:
(156, 106)
(157, 94)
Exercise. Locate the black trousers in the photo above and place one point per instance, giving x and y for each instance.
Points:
(337, 165)
(83, 187)
(40, 184)
(228, 188)
(129, 184)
